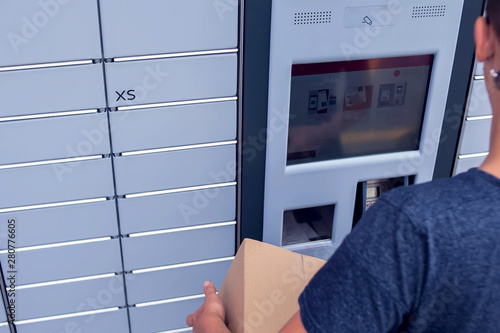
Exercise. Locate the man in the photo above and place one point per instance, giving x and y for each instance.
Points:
(424, 258)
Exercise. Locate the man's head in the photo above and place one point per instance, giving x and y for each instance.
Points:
(493, 15)
(486, 33)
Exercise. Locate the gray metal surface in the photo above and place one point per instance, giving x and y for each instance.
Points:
(66, 223)
(479, 102)
(48, 90)
(56, 183)
(72, 32)
(177, 210)
(163, 317)
(36, 31)
(173, 126)
(476, 137)
(178, 247)
(65, 262)
(168, 80)
(479, 70)
(70, 298)
(53, 138)
(160, 171)
(109, 322)
(464, 165)
(170, 26)
(173, 283)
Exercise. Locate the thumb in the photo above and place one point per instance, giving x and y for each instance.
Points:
(209, 288)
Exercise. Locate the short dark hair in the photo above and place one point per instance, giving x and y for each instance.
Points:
(493, 14)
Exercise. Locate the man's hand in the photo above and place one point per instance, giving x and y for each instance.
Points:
(210, 317)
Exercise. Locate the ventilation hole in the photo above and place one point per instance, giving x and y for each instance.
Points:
(312, 18)
(428, 11)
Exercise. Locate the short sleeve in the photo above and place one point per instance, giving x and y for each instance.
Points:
(374, 279)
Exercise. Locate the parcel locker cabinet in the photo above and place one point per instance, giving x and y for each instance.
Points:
(177, 210)
(70, 297)
(151, 27)
(185, 125)
(48, 31)
(89, 259)
(163, 317)
(56, 183)
(115, 321)
(171, 80)
(177, 169)
(113, 112)
(50, 139)
(51, 90)
(67, 223)
(149, 286)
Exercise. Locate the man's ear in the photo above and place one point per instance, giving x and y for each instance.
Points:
(484, 49)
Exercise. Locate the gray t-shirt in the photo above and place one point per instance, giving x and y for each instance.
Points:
(424, 258)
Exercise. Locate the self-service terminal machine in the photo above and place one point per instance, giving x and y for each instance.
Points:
(363, 88)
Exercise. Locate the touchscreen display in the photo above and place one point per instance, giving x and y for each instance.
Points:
(355, 108)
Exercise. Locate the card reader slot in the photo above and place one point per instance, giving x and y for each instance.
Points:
(368, 192)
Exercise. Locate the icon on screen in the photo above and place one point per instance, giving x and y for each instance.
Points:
(319, 100)
(367, 20)
(385, 94)
(323, 101)
(392, 94)
(358, 98)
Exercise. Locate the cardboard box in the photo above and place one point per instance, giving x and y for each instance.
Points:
(261, 289)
